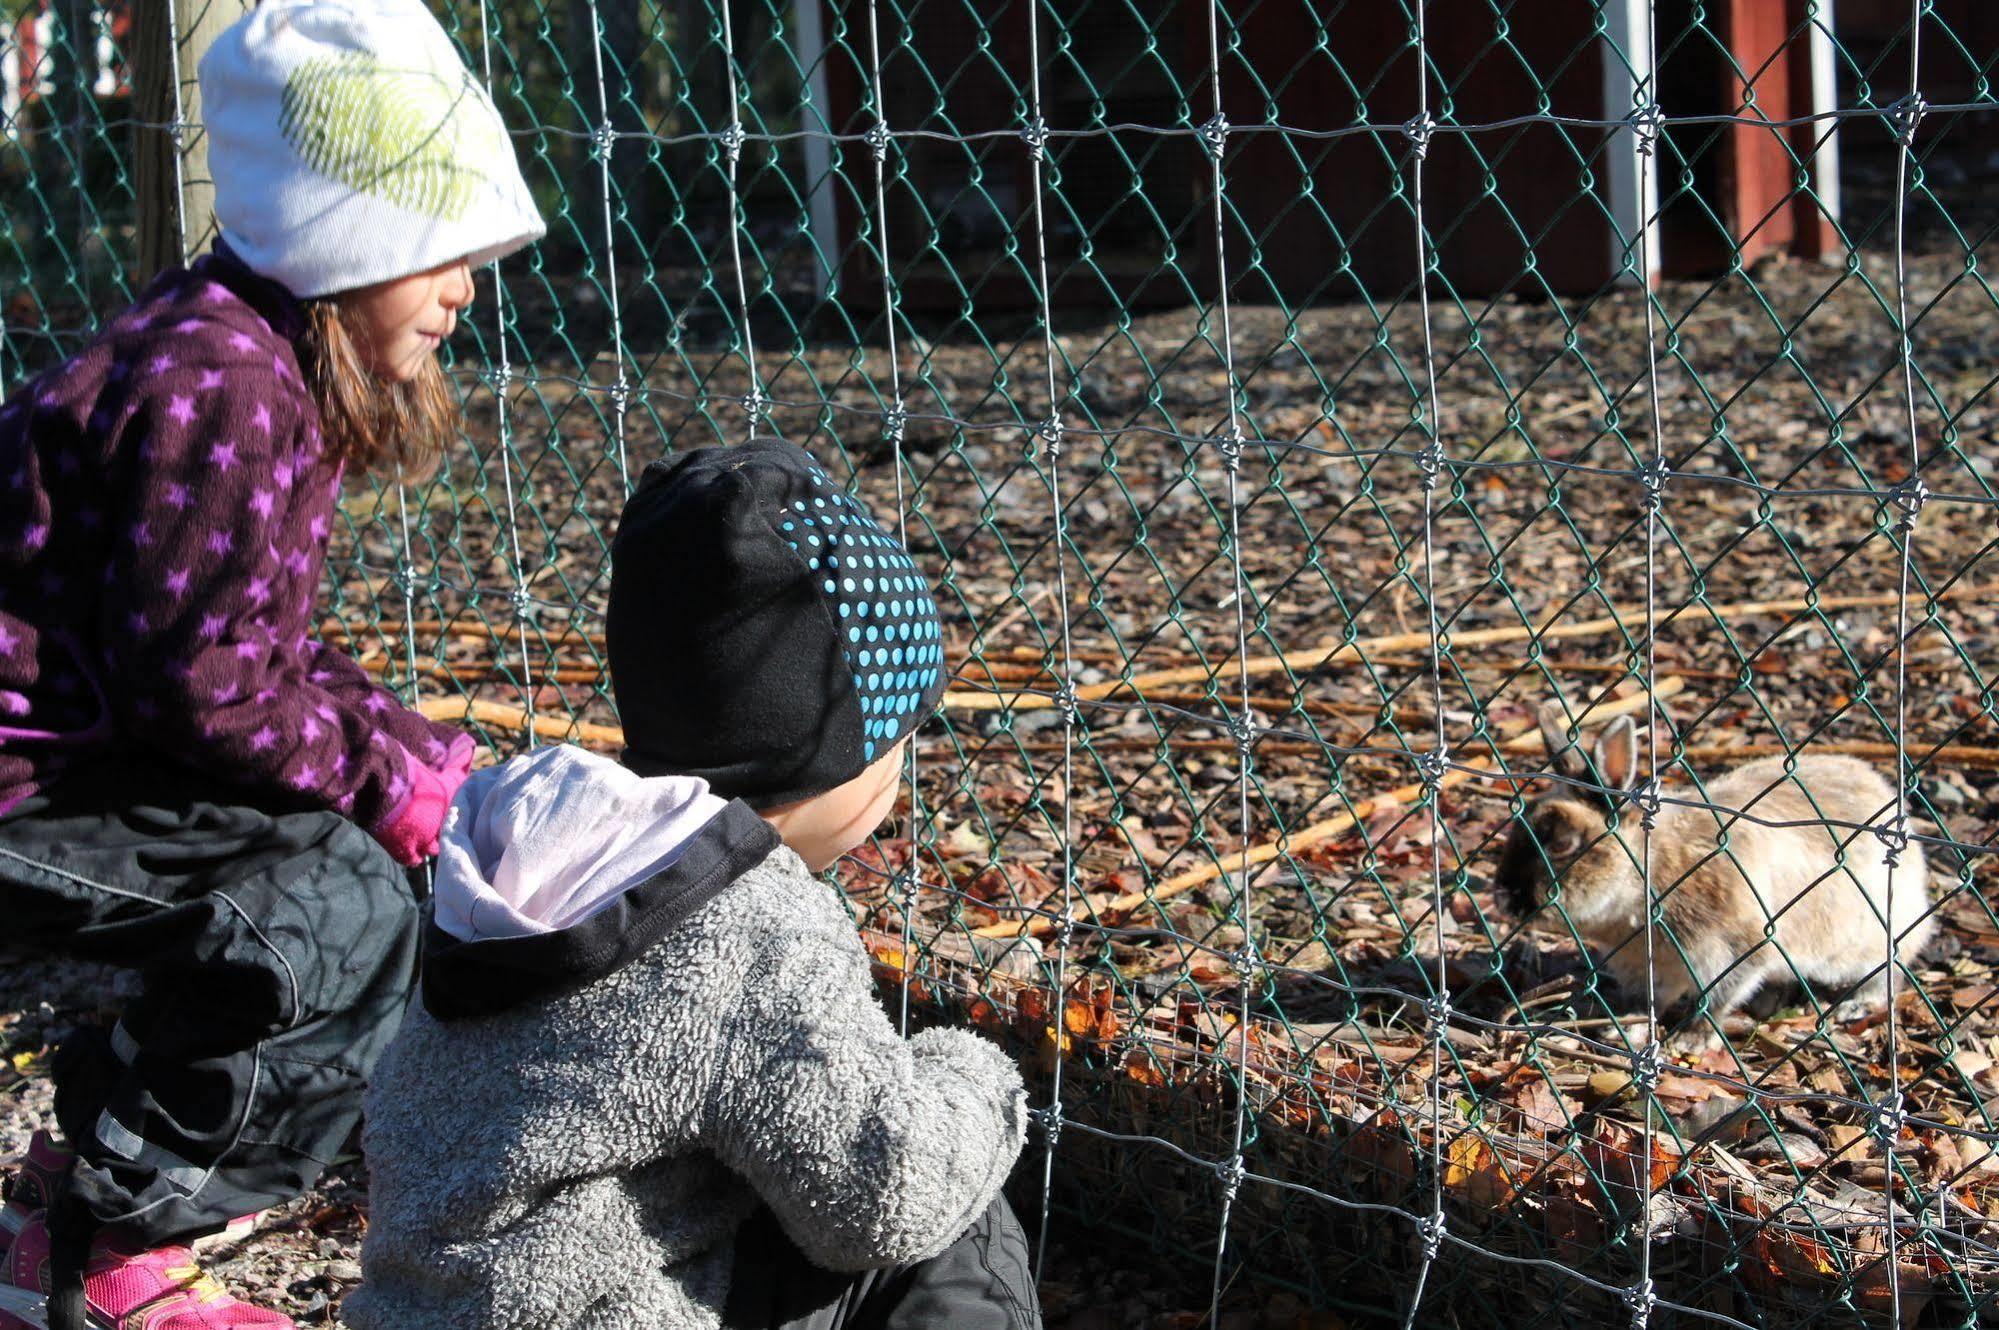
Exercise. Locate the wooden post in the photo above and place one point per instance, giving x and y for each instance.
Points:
(176, 206)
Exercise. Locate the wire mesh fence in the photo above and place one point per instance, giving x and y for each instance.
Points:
(1417, 489)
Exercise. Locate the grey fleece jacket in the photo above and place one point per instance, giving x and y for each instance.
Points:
(571, 1126)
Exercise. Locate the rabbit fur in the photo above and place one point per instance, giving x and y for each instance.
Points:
(1720, 907)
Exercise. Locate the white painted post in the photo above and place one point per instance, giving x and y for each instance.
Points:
(809, 29)
(1634, 197)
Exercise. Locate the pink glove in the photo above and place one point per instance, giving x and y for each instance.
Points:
(410, 833)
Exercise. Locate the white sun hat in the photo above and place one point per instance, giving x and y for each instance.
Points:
(350, 145)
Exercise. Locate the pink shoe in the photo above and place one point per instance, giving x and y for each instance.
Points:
(31, 1186)
(161, 1289)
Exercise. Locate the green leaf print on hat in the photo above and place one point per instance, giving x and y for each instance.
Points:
(418, 138)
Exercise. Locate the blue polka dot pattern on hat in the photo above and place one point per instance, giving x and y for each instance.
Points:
(894, 642)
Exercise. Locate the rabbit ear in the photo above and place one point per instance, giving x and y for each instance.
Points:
(1617, 754)
(1565, 756)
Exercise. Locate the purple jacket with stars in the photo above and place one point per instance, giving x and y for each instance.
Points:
(165, 500)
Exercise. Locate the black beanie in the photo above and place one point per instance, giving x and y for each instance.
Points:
(764, 633)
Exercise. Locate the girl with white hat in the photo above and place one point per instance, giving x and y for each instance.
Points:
(188, 783)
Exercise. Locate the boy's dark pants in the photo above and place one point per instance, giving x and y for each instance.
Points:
(980, 1282)
(276, 952)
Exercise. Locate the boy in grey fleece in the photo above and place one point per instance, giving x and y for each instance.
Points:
(649, 1084)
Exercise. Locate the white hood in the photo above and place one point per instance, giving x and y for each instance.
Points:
(547, 839)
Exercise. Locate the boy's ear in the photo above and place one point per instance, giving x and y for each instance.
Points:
(1617, 754)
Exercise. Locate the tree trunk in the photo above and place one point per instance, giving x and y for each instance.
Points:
(176, 208)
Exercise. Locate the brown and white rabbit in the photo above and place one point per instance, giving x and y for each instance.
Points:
(1820, 890)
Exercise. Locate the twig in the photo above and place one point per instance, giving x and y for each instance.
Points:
(500, 715)
(1525, 740)
(1317, 657)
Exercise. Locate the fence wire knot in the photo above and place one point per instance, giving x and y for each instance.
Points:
(1066, 701)
(1653, 476)
(1215, 134)
(520, 602)
(894, 420)
(1640, 1299)
(602, 140)
(1231, 445)
(1647, 124)
(1430, 463)
(1649, 797)
(1035, 134)
(1231, 1172)
(499, 378)
(1050, 1121)
(877, 140)
(1243, 730)
(405, 578)
(754, 405)
(1246, 961)
(1908, 499)
(1430, 1229)
(1433, 766)
(1906, 115)
(1050, 432)
(1437, 1012)
(1420, 129)
(1889, 1120)
(1648, 1064)
(732, 142)
(1894, 838)
(1065, 933)
(621, 397)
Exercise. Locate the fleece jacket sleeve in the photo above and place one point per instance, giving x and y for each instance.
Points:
(204, 613)
(356, 690)
(871, 1150)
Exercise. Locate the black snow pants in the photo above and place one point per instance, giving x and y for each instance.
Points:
(276, 950)
(980, 1282)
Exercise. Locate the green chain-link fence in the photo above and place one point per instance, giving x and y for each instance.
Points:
(1260, 556)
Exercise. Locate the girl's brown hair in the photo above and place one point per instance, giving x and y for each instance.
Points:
(369, 423)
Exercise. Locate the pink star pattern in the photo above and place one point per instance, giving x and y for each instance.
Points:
(207, 570)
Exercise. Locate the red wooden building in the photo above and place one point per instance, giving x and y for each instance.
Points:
(1322, 213)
